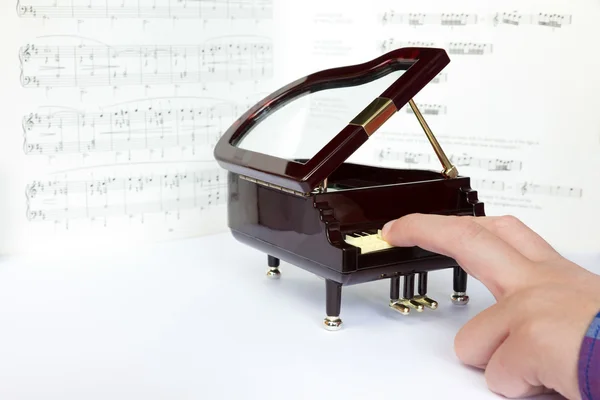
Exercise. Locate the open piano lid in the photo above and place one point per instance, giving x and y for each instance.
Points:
(416, 67)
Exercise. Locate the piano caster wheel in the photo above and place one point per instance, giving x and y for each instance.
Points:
(273, 273)
(332, 323)
(460, 298)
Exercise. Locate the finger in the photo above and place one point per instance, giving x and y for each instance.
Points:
(510, 370)
(479, 339)
(520, 236)
(483, 255)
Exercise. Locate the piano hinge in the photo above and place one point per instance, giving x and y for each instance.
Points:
(282, 189)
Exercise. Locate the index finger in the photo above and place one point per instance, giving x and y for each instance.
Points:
(483, 255)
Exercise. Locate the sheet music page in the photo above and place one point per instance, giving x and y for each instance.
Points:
(111, 110)
(516, 110)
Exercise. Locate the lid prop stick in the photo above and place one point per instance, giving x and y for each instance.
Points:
(450, 170)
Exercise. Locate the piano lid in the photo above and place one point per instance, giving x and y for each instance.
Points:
(300, 122)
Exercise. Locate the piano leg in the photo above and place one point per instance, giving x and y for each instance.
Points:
(333, 294)
(459, 297)
(273, 271)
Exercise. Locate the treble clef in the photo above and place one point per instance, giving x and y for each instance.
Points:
(28, 122)
(26, 53)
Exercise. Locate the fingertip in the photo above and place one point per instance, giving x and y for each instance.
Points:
(479, 338)
(461, 345)
(391, 228)
(465, 351)
(386, 229)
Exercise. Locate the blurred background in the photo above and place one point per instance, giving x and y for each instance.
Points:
(111, 109)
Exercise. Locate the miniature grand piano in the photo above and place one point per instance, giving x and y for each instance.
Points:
(323, 213)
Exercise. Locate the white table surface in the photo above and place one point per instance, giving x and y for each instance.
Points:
(195, 320)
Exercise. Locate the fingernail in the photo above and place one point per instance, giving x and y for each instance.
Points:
(386, 228)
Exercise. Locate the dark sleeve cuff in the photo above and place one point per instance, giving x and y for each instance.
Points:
(589, 362)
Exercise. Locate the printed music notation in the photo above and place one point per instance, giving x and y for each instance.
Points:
(527, 188)
(488, 184)
(428, 109)
(418, 19)
(490, 164)
(86, 65)
(179, 9)
(552, 20)
(140, 125)
(459, 160)
(454, 48)
(61, 200)
(440, 78)
(541, 19)
(405, 157)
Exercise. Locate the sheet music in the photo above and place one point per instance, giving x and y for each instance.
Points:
(112, 109)
(516, 109)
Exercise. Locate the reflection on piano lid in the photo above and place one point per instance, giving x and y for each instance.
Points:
(293, 194)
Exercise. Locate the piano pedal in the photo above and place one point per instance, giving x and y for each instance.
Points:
(460, 298)
(400, 307)
(403, 306)
(426, 301)
(413, 304)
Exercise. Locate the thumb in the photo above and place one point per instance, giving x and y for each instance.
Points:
(483, 255)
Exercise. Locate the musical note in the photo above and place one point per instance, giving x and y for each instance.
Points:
(420, 19)
(526, 188)
(469, 48)
(120, 104)
(428, 109)
(389, 44)
(85, 65)
(530, 188)
(458, 19)
(459, 160)
(453, 48)
(489, 164)
(541, 19)
(493, 117)
(440, 78)
(488, 184)
(205, 9)
(139, 125)
(405, 157)
(125, 196)
(141, 66)
(508, 18)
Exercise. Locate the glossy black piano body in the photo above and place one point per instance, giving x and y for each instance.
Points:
(303, 211)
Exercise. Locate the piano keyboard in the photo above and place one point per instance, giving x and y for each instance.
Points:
(368, 242)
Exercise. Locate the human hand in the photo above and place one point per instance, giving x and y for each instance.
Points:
(529, 341)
